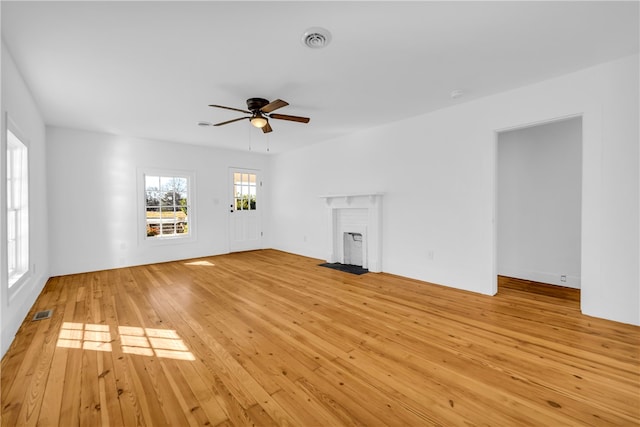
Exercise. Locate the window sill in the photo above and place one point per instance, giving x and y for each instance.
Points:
(161, 241)
(15, 289)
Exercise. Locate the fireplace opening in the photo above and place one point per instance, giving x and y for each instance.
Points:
(359, 215)
(352, 248)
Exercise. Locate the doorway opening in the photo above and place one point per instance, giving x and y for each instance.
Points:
(539, 206)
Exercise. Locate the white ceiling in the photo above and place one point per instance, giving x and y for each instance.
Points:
(150, 69)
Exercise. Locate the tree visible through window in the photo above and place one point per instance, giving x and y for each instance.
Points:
(166, 206)
(17, 209)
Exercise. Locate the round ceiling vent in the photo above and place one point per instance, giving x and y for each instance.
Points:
(316, 38)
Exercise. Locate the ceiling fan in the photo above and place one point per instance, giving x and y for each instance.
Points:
(261, 111)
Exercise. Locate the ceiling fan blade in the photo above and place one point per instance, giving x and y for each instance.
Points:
(290, 118)
(231, 121)
(266, 128)
(231, 108)
(274, 105)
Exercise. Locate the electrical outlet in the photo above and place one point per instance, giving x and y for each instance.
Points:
(563, 278)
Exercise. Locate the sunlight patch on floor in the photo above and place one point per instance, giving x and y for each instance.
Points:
(202, 263)
(165, 343)
(148, 341)
(86, 337)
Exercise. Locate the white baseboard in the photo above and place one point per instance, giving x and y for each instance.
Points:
(542, 277)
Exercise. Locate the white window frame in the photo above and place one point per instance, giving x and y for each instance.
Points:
(17, 275)
(142, 228)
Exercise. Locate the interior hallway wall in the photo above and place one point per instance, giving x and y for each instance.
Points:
(539, 202)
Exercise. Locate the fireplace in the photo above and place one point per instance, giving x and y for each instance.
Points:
(356, 217)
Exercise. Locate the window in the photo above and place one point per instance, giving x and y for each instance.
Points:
(166, 206)
(17, 208)
(244, 191)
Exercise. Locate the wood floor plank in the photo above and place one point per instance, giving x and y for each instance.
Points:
(73, 332)
(270, 338)
(17, 391)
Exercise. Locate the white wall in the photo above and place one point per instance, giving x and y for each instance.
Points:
(539, 202)
(20, 107)
(438, 175)
(93, 196)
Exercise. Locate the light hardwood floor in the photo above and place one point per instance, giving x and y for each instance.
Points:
(270, 338)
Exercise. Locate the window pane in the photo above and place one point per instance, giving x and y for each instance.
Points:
(17, 208)
(166, 183)
(153, 198)
(10, 197)
(11, 225)
(166, 206)
(152, 183)
(167, 198)
(11, 260)
(181, 185)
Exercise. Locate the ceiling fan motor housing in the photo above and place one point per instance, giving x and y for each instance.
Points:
(254, 104)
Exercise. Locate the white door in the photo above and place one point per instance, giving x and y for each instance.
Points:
(245, 232)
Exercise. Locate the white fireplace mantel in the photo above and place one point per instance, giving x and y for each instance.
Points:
(349, 198)
(370, 227)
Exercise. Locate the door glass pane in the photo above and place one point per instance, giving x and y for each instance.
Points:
(252, 194)
(244, 191)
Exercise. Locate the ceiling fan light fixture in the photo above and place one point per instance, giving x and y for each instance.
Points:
(258, 121)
